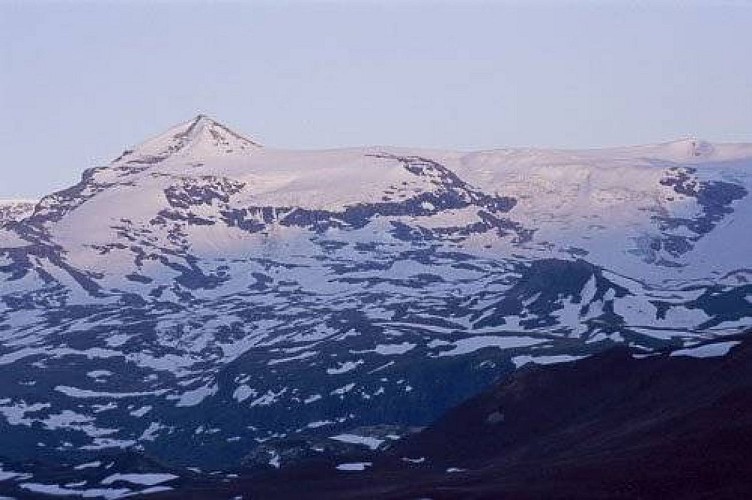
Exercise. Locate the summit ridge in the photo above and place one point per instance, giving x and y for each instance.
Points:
(197, 138)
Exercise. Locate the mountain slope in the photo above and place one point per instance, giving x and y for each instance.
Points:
(616, 425)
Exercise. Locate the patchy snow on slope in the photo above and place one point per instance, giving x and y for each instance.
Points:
(56, 490)
(196, 396)
(543, 360)
(706, 351)
(472, 344)
(345, 367)
(6, 475)
(147, 479)
(75, 392)
(268, 398)
(368, 441)
(392, 349)
(354, 466)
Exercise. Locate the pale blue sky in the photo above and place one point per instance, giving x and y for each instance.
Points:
(81, 81)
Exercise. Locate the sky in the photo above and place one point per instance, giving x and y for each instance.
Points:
(80, 81)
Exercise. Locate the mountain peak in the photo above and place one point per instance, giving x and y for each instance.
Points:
(201, 121)
(198, 138)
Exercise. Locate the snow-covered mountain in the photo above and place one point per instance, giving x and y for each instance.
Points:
(204, 290)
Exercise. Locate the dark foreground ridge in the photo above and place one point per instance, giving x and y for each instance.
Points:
(610, 426)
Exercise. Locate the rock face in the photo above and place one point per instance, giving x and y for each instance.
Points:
(202, 295)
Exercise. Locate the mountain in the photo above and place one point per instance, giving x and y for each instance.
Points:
(208, 301)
